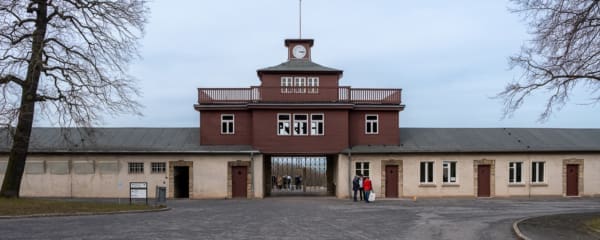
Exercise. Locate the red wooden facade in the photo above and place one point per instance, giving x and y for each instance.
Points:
(299, 88)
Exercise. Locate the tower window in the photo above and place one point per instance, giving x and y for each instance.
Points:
(372, 124)
(227, 124)
(313, 85)
(300, 84)
(317, 124)
(283, 124)
(300, 124)
(287, 84)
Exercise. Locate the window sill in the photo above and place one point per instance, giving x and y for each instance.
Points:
(517, 185)
(427, 185)
(539, 184)
(450, 185)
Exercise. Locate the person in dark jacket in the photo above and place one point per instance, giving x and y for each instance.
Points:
(355, 186)
(368, 187)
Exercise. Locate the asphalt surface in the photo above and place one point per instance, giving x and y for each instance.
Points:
(303, 218)
(561, 226)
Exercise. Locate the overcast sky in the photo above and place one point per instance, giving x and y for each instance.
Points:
(449, 57)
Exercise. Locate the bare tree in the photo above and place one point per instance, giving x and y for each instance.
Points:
(564, 53)
(69, 58)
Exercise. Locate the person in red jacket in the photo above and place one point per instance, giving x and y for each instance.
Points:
(368, 187)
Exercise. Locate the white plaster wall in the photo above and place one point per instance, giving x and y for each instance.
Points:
(258, 176)
(591, 175)
(342, 179)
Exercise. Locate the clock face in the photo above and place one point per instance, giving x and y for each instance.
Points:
(299, 51)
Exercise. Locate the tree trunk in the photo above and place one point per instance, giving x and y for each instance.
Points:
(18, 153)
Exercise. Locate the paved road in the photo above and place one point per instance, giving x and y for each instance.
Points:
(303, 218)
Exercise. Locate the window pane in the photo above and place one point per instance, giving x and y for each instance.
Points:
(227, 117)
(511, 173)
(224, 127)
(422, 168)
(366, 165)
(369, 127)
(445, 174)
(230, 130)
(300, 117)
(357, 165)
(533, 172)
(375, 129)
(518, 170)
(453, 171)
(371, 117)
(317, 117)
(366, 172)
(430, 172)
(541, 172)
(284, 117)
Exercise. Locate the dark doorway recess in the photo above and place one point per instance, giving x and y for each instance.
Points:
(483, 180)
(572, 180)
(181, 181)
(391, 181)
(239, 182)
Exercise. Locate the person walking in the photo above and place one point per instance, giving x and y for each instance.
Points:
(367, 187)
(361, 189)
(355, 186)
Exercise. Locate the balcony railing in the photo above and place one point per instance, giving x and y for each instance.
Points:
(255, 94)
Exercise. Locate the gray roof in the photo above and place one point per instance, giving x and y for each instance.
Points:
(465, 140)
(412, 140)
(299, 65)
(120, 140)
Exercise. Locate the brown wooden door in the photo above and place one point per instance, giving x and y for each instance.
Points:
(483, 180)
(239, 181)
(572, 180)
(391, 181)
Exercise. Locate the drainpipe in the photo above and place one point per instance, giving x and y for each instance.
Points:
(252, 173)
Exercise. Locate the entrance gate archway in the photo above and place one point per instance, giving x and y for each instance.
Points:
(299, 176)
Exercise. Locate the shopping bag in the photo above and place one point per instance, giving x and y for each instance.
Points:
(372, 196)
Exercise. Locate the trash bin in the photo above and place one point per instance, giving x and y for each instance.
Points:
(161, 196)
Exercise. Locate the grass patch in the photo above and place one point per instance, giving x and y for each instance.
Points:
(594, 224)
(27, 206)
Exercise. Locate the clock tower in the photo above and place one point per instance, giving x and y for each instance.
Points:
(299, 49)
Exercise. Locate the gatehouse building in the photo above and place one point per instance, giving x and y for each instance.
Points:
(300, 131)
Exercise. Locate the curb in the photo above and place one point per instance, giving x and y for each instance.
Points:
(517, 231)
(82, 214)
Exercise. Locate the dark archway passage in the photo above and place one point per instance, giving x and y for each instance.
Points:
(299, 176)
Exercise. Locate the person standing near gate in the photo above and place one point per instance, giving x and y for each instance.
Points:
(367, 188)
(355, 186)
(360, 186)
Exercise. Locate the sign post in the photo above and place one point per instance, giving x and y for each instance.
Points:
(138, 190)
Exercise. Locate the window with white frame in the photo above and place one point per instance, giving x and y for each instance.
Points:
(136, 167)
(159, 167)
(313, 84)
(362, 169)
(287, 84)
(300, 124)
(372, 124)
(317, 124)
(300, 84)
(227, 124)
(449, 172)
(515, 172)
(537, 172)
(426, 172)
(283, 124)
